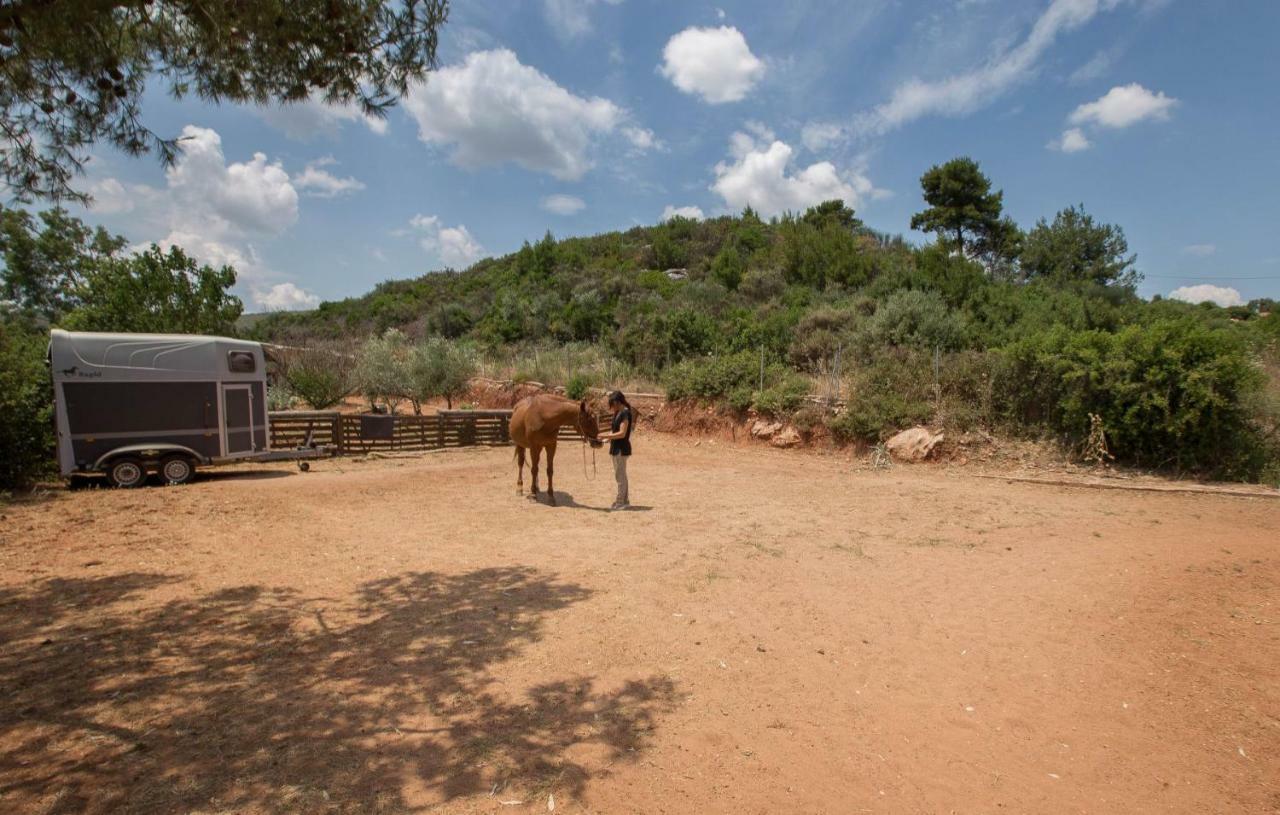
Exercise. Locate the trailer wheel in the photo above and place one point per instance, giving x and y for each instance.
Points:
(125, 472)
(177, 469)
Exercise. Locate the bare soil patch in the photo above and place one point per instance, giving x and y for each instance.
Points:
(767, 632)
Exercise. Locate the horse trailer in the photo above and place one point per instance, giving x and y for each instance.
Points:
(128, 404)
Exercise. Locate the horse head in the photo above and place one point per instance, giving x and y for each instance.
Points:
(587, 424)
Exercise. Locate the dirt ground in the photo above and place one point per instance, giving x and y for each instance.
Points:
(765, 632)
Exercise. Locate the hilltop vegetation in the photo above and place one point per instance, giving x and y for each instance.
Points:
(988, 326)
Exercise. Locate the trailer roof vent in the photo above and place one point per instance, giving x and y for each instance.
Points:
(241, 362)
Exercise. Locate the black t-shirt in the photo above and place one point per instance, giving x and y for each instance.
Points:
(622, 446)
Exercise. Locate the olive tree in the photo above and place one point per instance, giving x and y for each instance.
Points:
(321, 376)
(438, 368)
(382, 370)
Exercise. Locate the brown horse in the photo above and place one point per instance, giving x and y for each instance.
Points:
(535, 426)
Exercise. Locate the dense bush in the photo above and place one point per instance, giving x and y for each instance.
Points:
(732, 378)
(735, 379)
(982, 328)
(26, 434)
(915, 319)
(578, 386)
(1171, 394)
(892, 390)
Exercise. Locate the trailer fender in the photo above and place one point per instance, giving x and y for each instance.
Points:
(148, 452)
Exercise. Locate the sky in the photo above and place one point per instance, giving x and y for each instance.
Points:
(584, 116)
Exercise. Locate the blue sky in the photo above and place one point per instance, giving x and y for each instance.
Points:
(581, 116)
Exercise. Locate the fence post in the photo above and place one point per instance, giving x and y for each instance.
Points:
(336, 433)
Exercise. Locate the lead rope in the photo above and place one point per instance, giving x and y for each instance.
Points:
(583, 433)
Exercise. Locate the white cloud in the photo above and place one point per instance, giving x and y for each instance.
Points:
(320, 183)
(492, 109)
(305, 120)
(255, 196)
(966, 92)
(817, 136)
(213, 209)
(562, 204)
(1208, 293)
(713, 63)
(1200, 250)
(453, 245)
(1123, 106)
(670, 211)
(1096, 67)
(570, 18)
(758, 176)
(642, 139)
(1073, 141)
(110, 197)
(285, 297)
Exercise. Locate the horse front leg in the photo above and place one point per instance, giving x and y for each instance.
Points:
(551, 489)
(535, 454)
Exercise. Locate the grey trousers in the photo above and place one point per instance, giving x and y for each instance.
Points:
(620, 475)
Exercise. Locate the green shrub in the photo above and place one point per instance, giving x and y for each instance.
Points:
(966, 385)
(578, 386)
(759, 285)
(714, 377)
(279, 397)
(889, 392)
(809, 418)
(735, 379)
(26, 403)
(820, 334)
(915, 319)
(728, 267)
(877, 415)
(783, 397)
(1171, 394)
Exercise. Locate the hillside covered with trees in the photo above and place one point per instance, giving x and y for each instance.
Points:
(988, 326)
(1023, 332)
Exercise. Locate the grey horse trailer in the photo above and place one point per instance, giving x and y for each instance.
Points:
(130, 404)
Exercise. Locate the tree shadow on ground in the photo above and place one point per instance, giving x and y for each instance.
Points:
(253, 699)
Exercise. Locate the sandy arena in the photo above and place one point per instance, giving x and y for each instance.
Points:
(766, 632)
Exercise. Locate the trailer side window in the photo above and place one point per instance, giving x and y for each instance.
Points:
(241, 362)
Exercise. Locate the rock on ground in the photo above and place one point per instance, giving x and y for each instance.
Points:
(913, 444)
(765, 430)
(788, 437)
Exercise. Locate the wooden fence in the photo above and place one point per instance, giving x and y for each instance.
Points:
(448, 428)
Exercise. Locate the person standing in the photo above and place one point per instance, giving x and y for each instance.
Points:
(619, 438)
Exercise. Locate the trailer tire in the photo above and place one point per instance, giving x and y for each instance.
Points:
(126, 472)
(177, 469)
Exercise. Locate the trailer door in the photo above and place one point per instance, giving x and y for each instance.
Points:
(237, 417)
